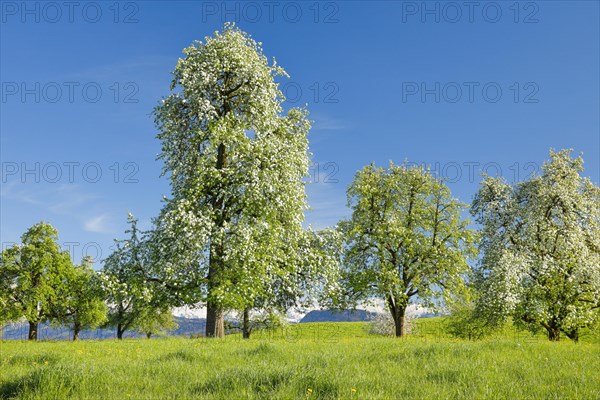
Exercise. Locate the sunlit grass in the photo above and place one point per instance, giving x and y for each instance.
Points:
(316, 361)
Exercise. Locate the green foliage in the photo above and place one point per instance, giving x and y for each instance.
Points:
(155, 321)
(33, 275)
(406, 238)
(130, 292)
(83, 306)
(262, 320)
(8, 313)
(307, 274)
(541, 249)
(465, 323)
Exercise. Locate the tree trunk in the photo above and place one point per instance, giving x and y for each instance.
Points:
(398, 310)
(573, 335)
(33, 331)
(399, 321)
(120, 331)
(553, 333)
(76, 330)
(246, 324)
(148, 335)
(215, 323)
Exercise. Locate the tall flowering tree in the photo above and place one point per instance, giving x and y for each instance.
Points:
(405, 240)
(541, 249)
(236, 163)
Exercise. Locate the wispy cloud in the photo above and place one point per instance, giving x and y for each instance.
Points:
(324, 122)
(61, 199)
(98, 224)
(126, 68)
(57, 198)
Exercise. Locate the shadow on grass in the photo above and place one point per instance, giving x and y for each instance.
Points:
(189, 356)
(240, 380)
(181, 355)
(444, 377)
(11, 390)
(261, 350)
(57, 382)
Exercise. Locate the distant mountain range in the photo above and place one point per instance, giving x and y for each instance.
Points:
(351, 315)
(338, 316)
(187, 326)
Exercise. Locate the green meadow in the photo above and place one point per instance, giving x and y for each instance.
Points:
(306, 361)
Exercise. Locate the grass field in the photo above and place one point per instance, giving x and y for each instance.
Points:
(315, 361)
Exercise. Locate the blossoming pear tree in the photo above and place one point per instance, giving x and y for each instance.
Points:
(541, 249)
(236, 163)
(405, 239)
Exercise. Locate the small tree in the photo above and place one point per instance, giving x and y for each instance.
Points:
(464, 322)
(84, 307)
(405, 238)
(261, 320)
(303, 272)
(541, 249)
(33, 276)
(128, 293)
(155, 321)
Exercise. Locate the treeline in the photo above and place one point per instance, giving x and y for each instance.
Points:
(534, 259)
(40, 283)
(231, 234)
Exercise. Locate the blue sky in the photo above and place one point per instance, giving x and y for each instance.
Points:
(492, 87)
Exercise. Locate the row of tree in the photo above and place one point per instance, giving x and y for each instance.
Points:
(231, 233)
(406, 241)
(39, 283)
